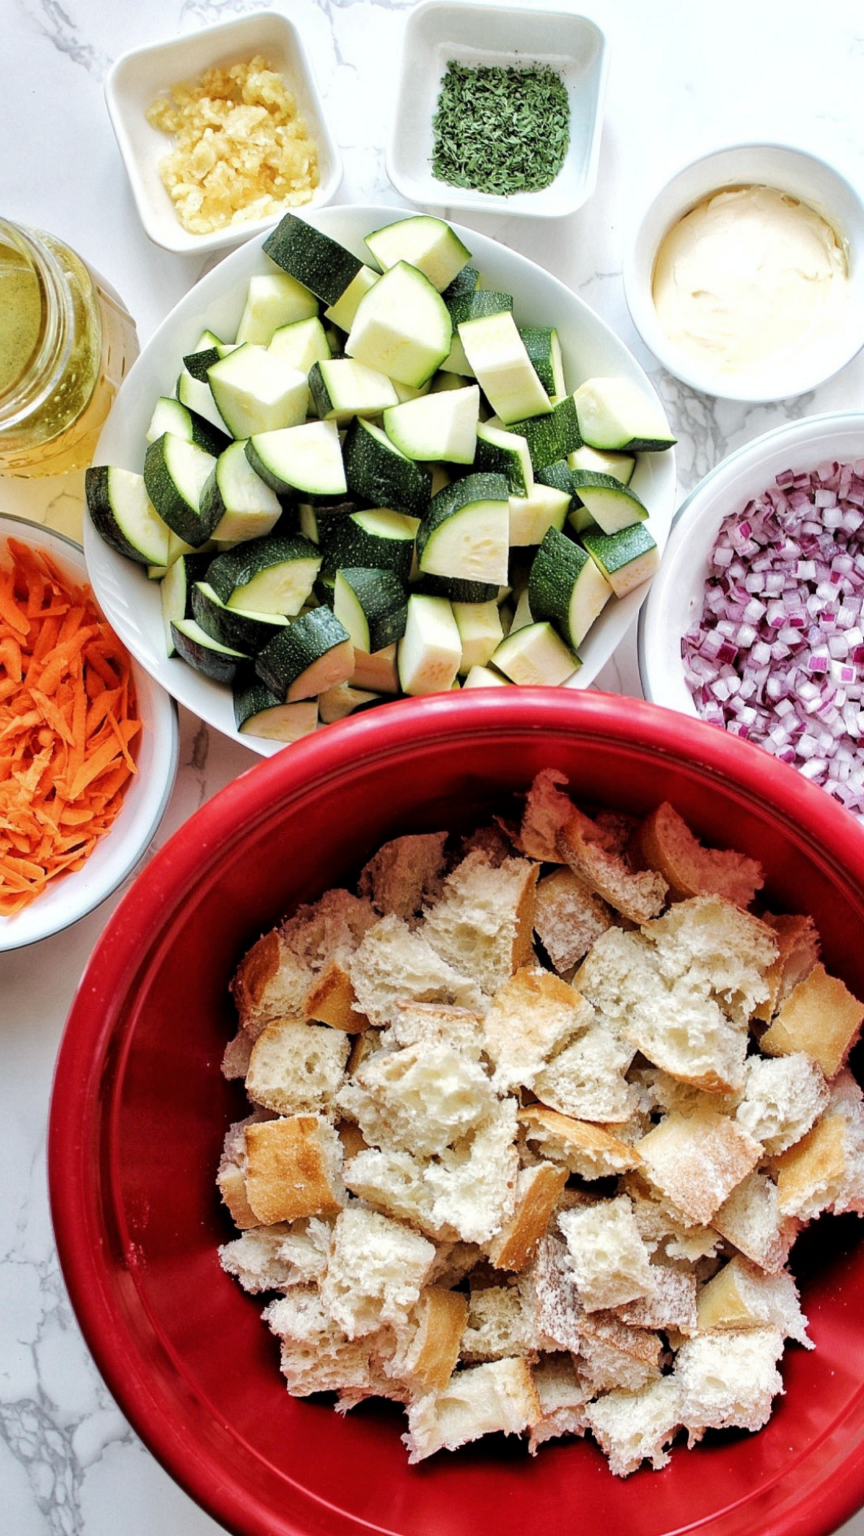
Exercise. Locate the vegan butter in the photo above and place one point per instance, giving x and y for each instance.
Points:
(750, 276)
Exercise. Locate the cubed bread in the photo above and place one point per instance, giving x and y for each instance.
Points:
(375, 1272)
(405, 874)
(824, 1171)
(498, 1397)
(819, 1016)
(585, 1149)
(426, 1024)
(305, 1248)
(568, 917)
(781, 1099)
(422, 1098)
(558, 1315)
(563, 1398)
(751, 1219)
(667, 1235)
(316, 1356)
(670, 1303)
(255, 1259)
(362, 1047)
(609, 1260)
(235, 1058)
(666, 844)
(797, 953)
(293, 1168)
(538, 1189)
(394, 964)
(697, 1160)
(428, 1341)
(637, 894)
(728, 1380)
(546, 810)
(741, 1295)
(231, 1174)
(633, 1427)
(296, 1068)
(498, 1325)
(529, 1017)
(615, 1356)
(586, 1079)
(331, 999)
(718, 950)
(483, 922)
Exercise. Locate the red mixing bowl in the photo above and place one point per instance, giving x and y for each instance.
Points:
(140, 1109)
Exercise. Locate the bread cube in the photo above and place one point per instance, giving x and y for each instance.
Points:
(538, 1189)
(316, 1356)
(483, 922)
(697, 1160)
(530, 1016)
(428, 1341)
(824, 1171)
(820, 1016)
(751, 1219)
(296, 1068)
(405, 874)
(666, 844)
(728, 1380)
(293, 1168)
(563, 1398)
(568, 917)
(584, 1149)
(797, 953)
(609, 1260)
(394, 964)
(422, 1098)
(782, 1097)
(742, 1296)
(633, 1427)
(586, 1079)
(498, 1397)
(375, 1272)
(498, 1325)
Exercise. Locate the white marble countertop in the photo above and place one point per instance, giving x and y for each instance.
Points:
(684, 78)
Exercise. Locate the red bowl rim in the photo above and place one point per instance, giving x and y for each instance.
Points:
(831, 835)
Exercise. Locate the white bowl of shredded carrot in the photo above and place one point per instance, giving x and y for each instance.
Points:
(88, 742)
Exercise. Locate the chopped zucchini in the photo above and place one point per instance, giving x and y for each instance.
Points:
(319, 263)
(242, 631)
(426, 242)
(377, 671)
(300, 344)
(313, 653)
(273, 299)
(480, 302)
(430, 650)
(175, 592)
(485, 677)
(175, 473)
(124, 516)
(343, 700)
(402, 326)
(533, 515)
(465, 281)
(260, 712)
(567, 587)
(378, 473)
(437, 426)
(611, 504)
(619, 465)
(304, 458)
(343, 311)
(626, 558)
(342, 388)
(465, 531)
(551, 437)
(170, 415)
(372, 606)
(197, 395)
(503, 452)
(273, 575)
(544, 350)
(256, 391)
(535, 656)
(242, 505)
(496, 355)
(379, 539)
(615, 414)
(480, 631)
(216, 661)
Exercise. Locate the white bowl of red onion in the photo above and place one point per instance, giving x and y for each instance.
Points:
(755, 620)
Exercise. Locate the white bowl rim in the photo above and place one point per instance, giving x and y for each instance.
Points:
(637, 291)
(30, 925)
(690, 510)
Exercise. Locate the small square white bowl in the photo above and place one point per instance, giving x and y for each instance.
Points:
(438, 32)
(138, 77)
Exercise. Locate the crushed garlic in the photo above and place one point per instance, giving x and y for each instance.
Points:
(242, 150)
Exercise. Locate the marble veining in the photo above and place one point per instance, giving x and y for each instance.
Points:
(683, 79)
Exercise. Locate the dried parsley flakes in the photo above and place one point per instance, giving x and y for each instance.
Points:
(500, 129)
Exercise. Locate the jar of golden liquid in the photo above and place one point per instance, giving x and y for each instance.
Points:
(65, 344)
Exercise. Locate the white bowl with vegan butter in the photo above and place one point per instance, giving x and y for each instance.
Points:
(746, 274)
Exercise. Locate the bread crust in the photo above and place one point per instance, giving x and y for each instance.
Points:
(289, 1170)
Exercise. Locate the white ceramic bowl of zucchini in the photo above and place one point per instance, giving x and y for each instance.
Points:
(374, 455)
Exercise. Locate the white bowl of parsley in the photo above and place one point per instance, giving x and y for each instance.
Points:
(499, 109)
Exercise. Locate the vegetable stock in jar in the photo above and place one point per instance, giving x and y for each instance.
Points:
(749, 276)
(66, 342)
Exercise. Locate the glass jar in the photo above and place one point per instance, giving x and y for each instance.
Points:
(66, 342)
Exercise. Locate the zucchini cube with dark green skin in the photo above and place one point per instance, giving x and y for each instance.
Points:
(535, 656)
(246, 632)
(260, 712)
(464, 282)
(175, 473)
(566, 587)
(124, 516)
(199, 650)
(321, 264)
(612, 505)
(380, 539)
(550, 437)
(313, 653)
(466, 531)
(378, 473)
(544, 349)
(615, 414)
(402, 326)
(626, 558)
(272, 575)
(425, 242)
(372, 605)
(502, 451)
(479, 302)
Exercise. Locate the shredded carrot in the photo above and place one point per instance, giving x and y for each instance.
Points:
(68, 717)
